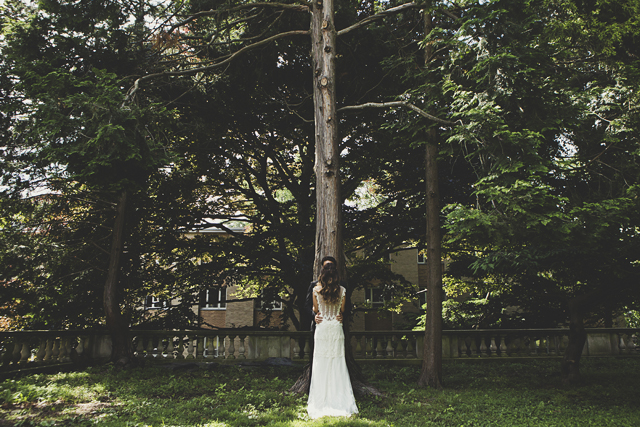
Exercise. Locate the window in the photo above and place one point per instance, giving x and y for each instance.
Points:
(374, 297)
(422, 256)
(214, 298)
(263, 304)
(422, 297)
(152, 302)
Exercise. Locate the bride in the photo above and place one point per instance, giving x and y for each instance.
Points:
(330, 392)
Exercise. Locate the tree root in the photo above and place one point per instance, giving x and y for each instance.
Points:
(360, 387)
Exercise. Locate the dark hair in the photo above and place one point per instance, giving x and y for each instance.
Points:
(330, 282)
(329, 258)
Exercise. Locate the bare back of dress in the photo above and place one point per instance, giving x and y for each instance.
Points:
(329, 311)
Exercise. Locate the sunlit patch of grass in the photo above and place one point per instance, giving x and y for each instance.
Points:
(484, 393)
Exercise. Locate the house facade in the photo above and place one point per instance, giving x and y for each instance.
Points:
(220, 307)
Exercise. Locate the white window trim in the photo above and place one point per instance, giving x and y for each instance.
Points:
(277, 305)
(210, 307)
(156, 303)
(368, 296)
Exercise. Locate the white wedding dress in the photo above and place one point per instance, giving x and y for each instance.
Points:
(330, 392)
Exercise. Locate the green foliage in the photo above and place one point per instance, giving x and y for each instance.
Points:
(542, 99)
(71, 145)
(498, 393)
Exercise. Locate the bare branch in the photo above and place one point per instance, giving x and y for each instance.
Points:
(136, 84)
(397, 104)
(294, 7)
(378, 16)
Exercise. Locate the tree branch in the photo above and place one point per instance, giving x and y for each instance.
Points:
(378, 16)
(397, 104)
(294, 7)
(136, 84)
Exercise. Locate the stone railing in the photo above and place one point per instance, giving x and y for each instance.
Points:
(20, 350)
(30, 349)
(258, 345)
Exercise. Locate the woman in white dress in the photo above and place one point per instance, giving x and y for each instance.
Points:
(330, 392)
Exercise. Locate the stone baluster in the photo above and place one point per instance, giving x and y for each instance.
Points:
(402, 349)
(170, 348)
(359, 351)
(473, 346)
(232, 348)
(562, 344)
(48, 355)
(241, 349)
(513, 345)
(553, 345)
(80, 347)
(307, 349)
(296, 348)
(502, 347)
(546, 350)
(199, 348)
(139, 347)
(163, 347)
(3, 351)
(379, 348)
(368, 347)
(64, 350)
(631, 345)
(180, 353)
(390, 350)
(24, 353)
(211, 352)
(190, 348)
(88, 342)
(622, 347)
(533, 348)
(221, 346)
(149, 352)
(56, 350)
(15, 353)
(483, 346)
(411, 350)
(493, 348)
(462, 346)
(42, 348)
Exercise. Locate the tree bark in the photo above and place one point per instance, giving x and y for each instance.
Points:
(431, 373)
(570, 366)
(327, 171)
(327, 159)
(122, 352)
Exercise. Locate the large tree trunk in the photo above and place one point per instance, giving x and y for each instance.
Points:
(431, 373)
(327, 161)
(570, 366)
(327, 171)
(122, 352)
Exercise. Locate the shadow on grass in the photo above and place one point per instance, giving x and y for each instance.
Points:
(492, 393)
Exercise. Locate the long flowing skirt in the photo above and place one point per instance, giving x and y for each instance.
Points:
(330, 392)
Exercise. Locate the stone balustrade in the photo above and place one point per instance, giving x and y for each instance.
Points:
(24, 349)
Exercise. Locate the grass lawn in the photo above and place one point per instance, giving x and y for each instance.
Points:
(477, 393)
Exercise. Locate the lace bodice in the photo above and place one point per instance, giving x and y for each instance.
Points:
(329, 311)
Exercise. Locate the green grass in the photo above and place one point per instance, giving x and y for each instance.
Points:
(482, 393)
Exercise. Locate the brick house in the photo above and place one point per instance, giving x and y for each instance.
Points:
(218, 307)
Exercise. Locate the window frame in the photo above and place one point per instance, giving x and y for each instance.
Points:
(152, 302)
(370, 296)
(222, 299)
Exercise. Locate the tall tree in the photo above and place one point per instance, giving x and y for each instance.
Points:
(552, 196)
(74, 137)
